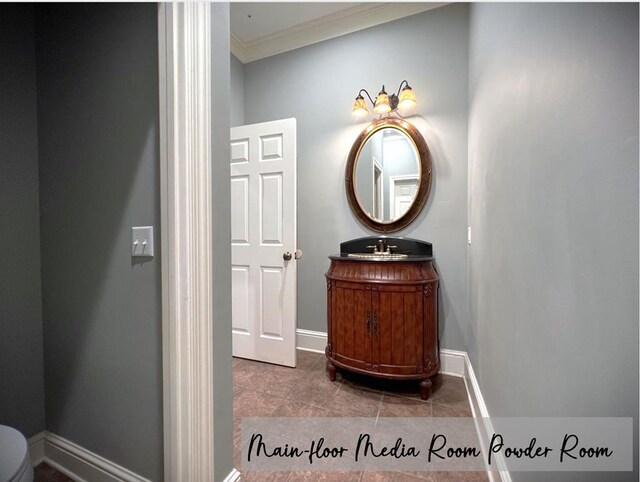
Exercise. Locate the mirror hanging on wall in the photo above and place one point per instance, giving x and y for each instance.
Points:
(388, 175)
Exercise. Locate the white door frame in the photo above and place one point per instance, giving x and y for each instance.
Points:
(392, 188)
(186, 155)
(378, 202)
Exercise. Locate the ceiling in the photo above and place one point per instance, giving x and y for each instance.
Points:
(250, 21)
(259, 30)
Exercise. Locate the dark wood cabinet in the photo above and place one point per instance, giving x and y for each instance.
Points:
(383, 319)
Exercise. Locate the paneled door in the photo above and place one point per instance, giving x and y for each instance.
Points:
(263, 241)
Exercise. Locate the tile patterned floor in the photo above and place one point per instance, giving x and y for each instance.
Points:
(46, 473)
(262, 390)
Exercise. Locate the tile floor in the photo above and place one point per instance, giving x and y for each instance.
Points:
(46, 473)
(262, 390)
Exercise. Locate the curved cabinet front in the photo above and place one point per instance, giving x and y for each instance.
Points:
(382, 319)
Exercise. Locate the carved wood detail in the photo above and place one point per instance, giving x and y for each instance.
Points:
(399, 296)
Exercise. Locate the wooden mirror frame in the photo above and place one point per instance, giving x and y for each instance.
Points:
(425, 175)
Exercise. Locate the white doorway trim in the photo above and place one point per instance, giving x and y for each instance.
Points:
(392, 188)
(377, 190)
(187, 234)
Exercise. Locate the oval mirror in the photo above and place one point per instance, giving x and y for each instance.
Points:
(388, 175)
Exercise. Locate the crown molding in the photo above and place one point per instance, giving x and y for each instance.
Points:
(327, 27)
(238, 49)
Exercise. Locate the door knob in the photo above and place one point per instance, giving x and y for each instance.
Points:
(287, 256)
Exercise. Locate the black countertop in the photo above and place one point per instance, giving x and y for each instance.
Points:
(411, 258)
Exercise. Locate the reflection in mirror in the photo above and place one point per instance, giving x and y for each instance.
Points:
(387, 175)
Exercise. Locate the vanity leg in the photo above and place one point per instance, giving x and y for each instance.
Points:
(331, 371)
(425, 388)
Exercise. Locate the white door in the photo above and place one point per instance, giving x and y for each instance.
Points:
(402, 192)
(263, 235)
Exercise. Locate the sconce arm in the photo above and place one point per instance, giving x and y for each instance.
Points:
(404, 82)
(370, 99)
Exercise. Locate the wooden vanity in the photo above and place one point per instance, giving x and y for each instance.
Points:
(382, 311)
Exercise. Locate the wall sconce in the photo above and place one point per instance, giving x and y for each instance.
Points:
(384, 103)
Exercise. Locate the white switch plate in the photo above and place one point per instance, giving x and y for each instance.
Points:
(468, 234)
(142, 241)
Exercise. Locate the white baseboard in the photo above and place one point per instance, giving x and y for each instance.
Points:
(36, 448)
(77, 462)
(483, 423)
(452, 362)
(233, 476)
(308, 340)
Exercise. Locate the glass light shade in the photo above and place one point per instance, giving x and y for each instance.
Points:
(407, 99)
(360, 107)
(382, 103)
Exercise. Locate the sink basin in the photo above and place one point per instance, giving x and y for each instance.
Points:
(377, 255)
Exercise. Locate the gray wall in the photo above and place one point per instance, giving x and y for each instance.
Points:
(317, 85)
(553, 159)
(222, 359)
(237, 92)
(98, 154)
(21, 372)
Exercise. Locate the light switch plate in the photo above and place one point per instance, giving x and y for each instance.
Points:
(468, 234)
(142, 241)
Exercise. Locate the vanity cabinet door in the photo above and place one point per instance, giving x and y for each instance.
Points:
(351, 318)
(398, 330)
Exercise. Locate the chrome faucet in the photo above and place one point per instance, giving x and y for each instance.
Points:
(381, 247)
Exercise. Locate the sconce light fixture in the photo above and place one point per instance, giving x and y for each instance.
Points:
(384, 103)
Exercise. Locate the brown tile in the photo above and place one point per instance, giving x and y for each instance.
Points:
(389, 477)
(451, 410)
(428, 476)
(449, 390)
(325, 476)
(237, 459)
(308, 360)
(320, 370)
(245, 374)
(352, 401)
(46, 473)
(275, 381)
(264, 476)
(292, 408)
(462, 477)
(250, 403)
(237, 435)
(392, 406)
(318, 391)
